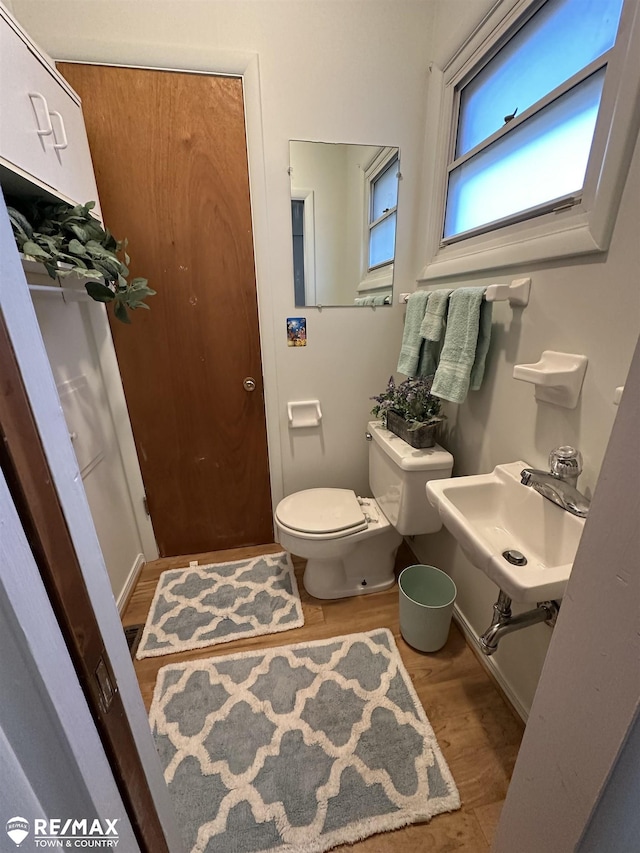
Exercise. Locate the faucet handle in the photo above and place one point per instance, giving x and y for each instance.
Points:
(565, 462)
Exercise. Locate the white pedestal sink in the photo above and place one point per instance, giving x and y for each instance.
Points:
(490, 514)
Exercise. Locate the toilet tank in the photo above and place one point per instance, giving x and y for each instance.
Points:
(398, 476)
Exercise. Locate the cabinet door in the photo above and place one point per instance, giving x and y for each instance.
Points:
(42, 133)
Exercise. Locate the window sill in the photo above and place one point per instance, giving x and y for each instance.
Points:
(518, 249)
(377, 279)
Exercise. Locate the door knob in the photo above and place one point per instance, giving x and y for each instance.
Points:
(249, 384)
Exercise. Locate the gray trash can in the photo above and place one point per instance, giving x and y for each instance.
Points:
(427, 596)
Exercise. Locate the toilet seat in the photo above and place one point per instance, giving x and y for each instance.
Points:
(322, 513)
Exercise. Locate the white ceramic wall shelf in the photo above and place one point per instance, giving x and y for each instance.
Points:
(304, 413)
(557, 377)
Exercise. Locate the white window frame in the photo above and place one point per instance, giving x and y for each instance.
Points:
(583, 227)
(309, 241)
(381, 276)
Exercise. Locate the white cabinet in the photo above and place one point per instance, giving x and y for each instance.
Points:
(42, 132)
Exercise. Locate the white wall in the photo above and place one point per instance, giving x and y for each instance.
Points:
(589, 305)
(321, 78)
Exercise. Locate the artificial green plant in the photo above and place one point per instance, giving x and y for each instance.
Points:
(69, 240)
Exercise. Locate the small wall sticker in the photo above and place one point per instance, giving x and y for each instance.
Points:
(296, 331)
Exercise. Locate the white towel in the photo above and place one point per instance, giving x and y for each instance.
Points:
(460, 352)
(412, 340)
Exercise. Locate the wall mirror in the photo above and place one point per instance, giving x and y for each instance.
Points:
(344, 205)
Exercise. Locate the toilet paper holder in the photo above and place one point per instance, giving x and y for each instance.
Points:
(304, 413)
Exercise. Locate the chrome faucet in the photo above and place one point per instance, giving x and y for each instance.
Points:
(559, 483)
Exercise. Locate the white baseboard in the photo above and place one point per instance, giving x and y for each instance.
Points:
(489, 664)
(127, 589)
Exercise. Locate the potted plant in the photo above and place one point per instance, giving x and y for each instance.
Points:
(410, 411)
(69, 240)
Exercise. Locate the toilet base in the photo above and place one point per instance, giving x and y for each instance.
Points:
(367, 568)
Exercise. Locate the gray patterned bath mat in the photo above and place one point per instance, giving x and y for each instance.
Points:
(202, 606)
(297, 748)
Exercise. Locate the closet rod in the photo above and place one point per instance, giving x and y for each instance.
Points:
(68, 292)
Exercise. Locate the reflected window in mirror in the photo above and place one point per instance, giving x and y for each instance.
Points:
(382, 184)
(344, 201)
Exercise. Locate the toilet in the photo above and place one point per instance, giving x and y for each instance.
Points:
(350, 543)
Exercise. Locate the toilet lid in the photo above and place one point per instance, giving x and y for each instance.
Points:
(322, 511)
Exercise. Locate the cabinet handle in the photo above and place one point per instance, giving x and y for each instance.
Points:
(63, 133)
(48, 128)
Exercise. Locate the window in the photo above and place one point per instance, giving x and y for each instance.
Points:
(383, 209)
(531, 100)
(380, 215)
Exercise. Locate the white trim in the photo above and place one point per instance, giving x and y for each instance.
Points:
(586, 228)
(309, 230)
(489, 664)
(127, 589)
(194, 60)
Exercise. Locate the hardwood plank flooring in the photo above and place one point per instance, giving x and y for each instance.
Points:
(478, 732)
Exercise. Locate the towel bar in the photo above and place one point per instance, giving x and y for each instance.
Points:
(516, 293)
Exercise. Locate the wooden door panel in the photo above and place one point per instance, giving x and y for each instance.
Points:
(169, 151)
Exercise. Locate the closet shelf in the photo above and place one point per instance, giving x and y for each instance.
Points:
(39, 281)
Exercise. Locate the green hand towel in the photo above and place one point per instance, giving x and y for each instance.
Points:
(412, 340)
(452, 378)
(433, 322)
(482, 347)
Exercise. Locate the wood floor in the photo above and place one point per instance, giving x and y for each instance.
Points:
(477, 731)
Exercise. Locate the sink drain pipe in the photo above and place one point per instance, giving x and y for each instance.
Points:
(504, 623)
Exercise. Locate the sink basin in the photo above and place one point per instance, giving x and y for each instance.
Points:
(492, 513)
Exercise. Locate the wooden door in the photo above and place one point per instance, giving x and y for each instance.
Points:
(169, 150)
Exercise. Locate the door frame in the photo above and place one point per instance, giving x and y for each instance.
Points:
(245, 65)
(39, 385)
(35, 499)
(42, 663)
